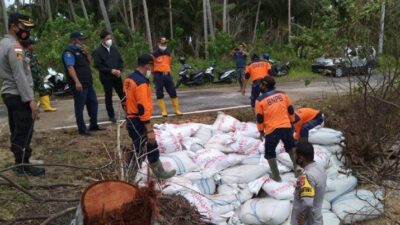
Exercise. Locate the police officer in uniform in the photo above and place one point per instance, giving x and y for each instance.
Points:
(310, 188)
(76, 60)
(162, 77)
(17, 91)
(37, 76)
(139, 108)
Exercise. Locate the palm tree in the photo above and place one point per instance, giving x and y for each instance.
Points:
(105, 15)
(146, 18)
(72, 10)
(171, 25)
(84, 10)
(48, 9)
(256, 23)
(131, 15)
(210, 20)
(224, 16)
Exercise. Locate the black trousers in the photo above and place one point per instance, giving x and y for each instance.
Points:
(21, 127)
(109, 84)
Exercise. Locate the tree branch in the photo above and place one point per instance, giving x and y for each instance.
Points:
(57, 215)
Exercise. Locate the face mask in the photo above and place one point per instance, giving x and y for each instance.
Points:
(162, 48)
(108, 43)
(148, 74)
(23, 34)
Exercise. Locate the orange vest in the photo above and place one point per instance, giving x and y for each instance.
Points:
(274, 110)
(305, 115)
(258, 70)
(162, 61)
(139, 100)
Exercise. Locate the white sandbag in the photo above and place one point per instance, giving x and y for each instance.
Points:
(203, 181)
(242, 174)
(330, 218)
(204, 133)
(285, 159)
(236, 197)
(180, 131)
(178, 184)
(335, 149)
(358, 205)
(251, 160)
(211, 212)
(188, 143)
(179, 161)
(325, 136)
(220, 142)
(167, 142)
(244, 145)
(322, 156)
(336, 187)
(326, 205)
(277, 190)
(248, 129)
(225, 123)
(214, 160)
(264, 211)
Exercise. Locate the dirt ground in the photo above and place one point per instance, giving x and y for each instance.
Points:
(67, 148)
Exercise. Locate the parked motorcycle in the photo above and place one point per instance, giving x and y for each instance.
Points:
(56, 84)
(226, 76)
(278, 69)
(190, 78)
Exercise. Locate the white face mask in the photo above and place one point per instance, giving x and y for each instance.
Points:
(108, 43)
(148, 74)
(162, 48)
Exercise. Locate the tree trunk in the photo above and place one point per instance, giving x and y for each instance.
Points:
(48, 8)
(72, 10)
(105, 15)
(84, 10)
(224, 16)
(382, 29)
(18, 4)
(205, 28)
(289, 20)
(171, 25)
(5, 16)
(125, 12)
(210, 20)
(131, 15)
(256, 23)
(146, 18)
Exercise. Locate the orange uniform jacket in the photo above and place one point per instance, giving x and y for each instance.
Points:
(274, 110)
(162, 61)
(257, 70)
(139, 101)
(303, 116)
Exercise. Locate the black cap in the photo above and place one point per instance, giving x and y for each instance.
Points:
(77, 34)
(104, 33)
(269, 82)
(306, 150)
(255, 57)
(16, 18)
(145, 59)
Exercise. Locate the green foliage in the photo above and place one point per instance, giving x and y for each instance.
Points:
(219, 47)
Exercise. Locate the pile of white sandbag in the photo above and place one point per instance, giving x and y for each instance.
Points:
(221, 170)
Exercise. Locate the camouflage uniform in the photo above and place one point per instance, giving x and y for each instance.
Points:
(36, 73)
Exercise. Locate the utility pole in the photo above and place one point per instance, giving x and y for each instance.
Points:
(382, 30)
(289, 20)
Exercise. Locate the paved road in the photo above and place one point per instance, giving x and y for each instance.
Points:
(192, 101)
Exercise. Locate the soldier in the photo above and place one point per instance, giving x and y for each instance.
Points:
(17, 92)
(37, 76)
(310, 188)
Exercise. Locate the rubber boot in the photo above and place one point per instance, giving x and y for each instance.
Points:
(163, 108)
(159, 171)
(45, 101)
(175, 103)
(291, 154)
(274, 170)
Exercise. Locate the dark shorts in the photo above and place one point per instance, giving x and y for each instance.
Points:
(272, 141)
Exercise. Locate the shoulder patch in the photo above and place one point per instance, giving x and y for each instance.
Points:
(19, 52)
(306, 190)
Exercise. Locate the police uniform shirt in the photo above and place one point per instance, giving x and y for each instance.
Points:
(309, 195)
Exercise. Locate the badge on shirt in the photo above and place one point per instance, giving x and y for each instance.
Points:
(19, 51)
(306, 190)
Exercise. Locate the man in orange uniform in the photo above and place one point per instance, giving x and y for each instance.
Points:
(162, 77)
(139, 108)
(305, 120)
(275, 115)
(255, 71)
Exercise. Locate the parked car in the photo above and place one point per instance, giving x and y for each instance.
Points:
(352, 63)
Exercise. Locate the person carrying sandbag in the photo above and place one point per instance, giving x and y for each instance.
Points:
(275, 115)
(139, 108)
(305, 120)
(310, 188)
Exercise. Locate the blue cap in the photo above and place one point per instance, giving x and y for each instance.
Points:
(77, 34)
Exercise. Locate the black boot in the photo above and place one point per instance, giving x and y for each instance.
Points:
(29, 170)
